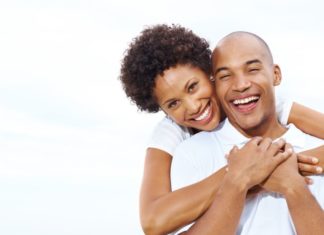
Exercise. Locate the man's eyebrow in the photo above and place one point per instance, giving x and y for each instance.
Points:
(253, 61)
(247, 63)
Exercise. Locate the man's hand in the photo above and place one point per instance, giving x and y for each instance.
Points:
(255, 161)
(285, 176)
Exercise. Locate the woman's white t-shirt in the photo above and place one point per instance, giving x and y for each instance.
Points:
(167, 135)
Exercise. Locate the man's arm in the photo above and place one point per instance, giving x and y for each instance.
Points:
(247, 167)
(224, 214)
(306, 213)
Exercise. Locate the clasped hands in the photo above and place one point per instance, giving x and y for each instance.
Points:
(268, 165)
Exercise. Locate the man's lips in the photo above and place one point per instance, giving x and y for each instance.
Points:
(246, 100)
(246, 104)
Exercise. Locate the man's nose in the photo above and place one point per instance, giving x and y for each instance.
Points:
(241, 83)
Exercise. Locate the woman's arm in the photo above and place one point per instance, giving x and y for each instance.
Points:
(163, 211)
(308, 120)
(311, 162)
(311, 122)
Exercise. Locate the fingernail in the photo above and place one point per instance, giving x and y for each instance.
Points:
(319, 169)
(314, 160)
(310, 181)
(289, 150)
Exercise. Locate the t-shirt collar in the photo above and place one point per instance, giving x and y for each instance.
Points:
(230, 136)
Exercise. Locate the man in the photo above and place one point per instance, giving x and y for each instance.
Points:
(245, 78)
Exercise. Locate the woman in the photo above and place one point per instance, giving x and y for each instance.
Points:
(160, 55)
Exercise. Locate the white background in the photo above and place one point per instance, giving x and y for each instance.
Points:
(71, 144)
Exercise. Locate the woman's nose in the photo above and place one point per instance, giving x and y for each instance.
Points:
(193, 106)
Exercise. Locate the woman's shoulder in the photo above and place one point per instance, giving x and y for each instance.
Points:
(167, 135)
(168, 125)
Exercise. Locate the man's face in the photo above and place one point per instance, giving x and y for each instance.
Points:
(245, 76)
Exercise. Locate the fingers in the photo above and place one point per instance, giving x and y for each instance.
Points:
(265, 143)
(288, 146)
(277, 146)
(307, 159)
(255, 140)
(234, 149)
(307, 169)
(282, 156)
(286, 153)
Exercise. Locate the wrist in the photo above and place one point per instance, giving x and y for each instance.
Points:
(237, 182)
(294, 188)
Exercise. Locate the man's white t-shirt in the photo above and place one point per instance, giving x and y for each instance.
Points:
(204, 153)
(167, 135)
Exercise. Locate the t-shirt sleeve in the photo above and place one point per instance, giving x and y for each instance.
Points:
(183, 169)
(183, 173)
(283, 107)
(194, 161)
(167, 135)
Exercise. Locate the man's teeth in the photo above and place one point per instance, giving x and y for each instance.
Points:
(245, 100)
(203, 115)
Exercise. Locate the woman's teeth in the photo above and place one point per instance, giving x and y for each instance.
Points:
(203, 115)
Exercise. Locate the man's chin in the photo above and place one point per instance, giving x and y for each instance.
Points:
(246, 125)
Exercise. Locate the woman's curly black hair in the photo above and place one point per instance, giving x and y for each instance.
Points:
(155, 50)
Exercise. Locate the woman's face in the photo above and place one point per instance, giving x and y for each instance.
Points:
(186, 95)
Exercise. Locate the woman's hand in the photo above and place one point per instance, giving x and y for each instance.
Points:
(308, 165)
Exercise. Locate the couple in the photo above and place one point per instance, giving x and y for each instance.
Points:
(172, 65)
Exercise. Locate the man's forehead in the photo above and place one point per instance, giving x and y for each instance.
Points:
(238, 58)
(240, 46)
(240, 37)
(240, 51)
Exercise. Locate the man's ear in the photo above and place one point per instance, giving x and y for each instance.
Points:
(277, 75)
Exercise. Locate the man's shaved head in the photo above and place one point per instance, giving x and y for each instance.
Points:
(245, 76)
(238, 36)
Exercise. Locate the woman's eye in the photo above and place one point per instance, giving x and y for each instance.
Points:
(173, 104)
(192, 87)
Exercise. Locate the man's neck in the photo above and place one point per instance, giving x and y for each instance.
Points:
(268, 128)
